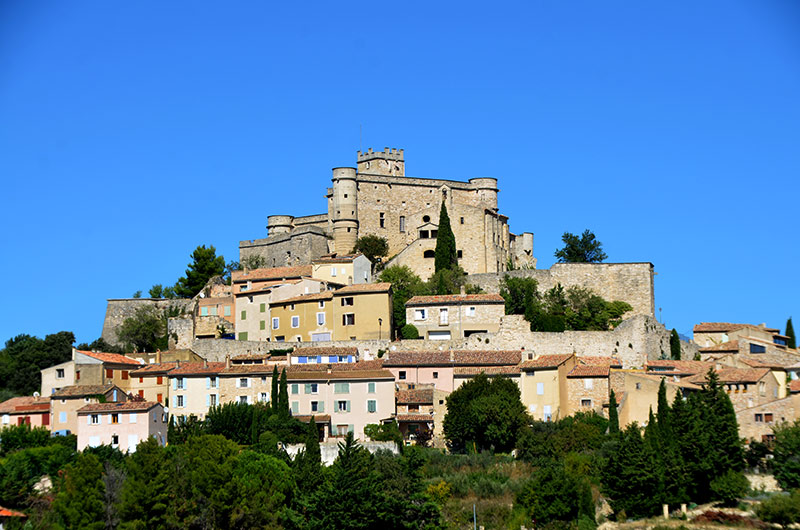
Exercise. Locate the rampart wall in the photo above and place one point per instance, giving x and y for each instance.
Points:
(629, 282)
(118, 309)
(298, 247)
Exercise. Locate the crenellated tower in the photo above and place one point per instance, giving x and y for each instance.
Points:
(389, 162)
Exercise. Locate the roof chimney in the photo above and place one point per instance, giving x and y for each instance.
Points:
(177, 363)
(463, 290)
(205, 363)
(158, 356)
(452, 357)
(227, 361)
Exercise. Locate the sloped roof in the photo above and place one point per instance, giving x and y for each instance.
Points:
(733, 375)
(756, 363)
(488, 370)
(376, 364)
(613, 362)
(310, 297)
(344, 258)
(242, 369)
(198, 368)
(274, 273)
(348, 374)
(546, 361)
(457, 299)
(251, 357)
(729, 346)
(113, 358)
(83, 390)
(725, 327)
(154, 369)
(23, 404)
(453, 357)
(125, 406)
(404, 418)
(324, 350)
(668, 366)
(794, 386)
(360, 288)
(414, 396)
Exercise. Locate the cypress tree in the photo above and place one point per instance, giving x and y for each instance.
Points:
(790, 333)
(669, 451)
(675, 345)
(274, 397)
(283, 396)
(446, 253)
(613, 414)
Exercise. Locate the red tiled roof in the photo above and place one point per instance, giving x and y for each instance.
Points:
(733, 375)
(729, 346)
(457, 299)
(755, 363)
(414, 396)
(357, 288)
(453, 357)
(683, 383)
(488, 370)
(613, 362)
(546, 361)
(5, 512)
(125, 406)
(83, 390)
(23, 404)
(251, 357)
(345, 258)
(376, 364)
(349, 374)
(318, 418)
(113, 358)
(311, 297)
(154, 369)
(325, 350)
(724, 327)
(262, 369)
(264, 288)
(404, 418)
(198, 368)
(678, 367)
(587, 370)
(275, 273)
(794, 386)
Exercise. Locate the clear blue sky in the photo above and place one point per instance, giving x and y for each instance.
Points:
(130, 133)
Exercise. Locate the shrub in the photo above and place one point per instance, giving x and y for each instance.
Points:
(730, 487)
(409, 331)
(780, 509)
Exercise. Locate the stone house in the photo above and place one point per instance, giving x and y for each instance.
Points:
(151, 382)
(121, 425)
(253, 306)
(246, 383)
(713, 333)
(758, 422)
(65, 403)
(462, 374)
(543, 385)
(89, 368)
(257, 279)
(343, 270)
(28, 410)
(342, 397)
(420, 412)
(636, 392)
(446, 317)
(746, 388)
(194, 388)
(588, 384)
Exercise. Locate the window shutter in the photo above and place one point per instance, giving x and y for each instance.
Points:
(174, 384)
(351, 428)
(208, 400)
(88, 419)
(174, 401)
(322, 406)
(237, 382)
(308, 388)
(348, 405)
(208, 382)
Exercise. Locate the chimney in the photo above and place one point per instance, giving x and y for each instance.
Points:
(177, 363)
(205, 363)
(463, 290)
(227, 361)
(158, 356)
(452, 357)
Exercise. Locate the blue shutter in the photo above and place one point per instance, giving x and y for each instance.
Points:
(174, 384)
(208, 382)
(174, 402)
(208, 400)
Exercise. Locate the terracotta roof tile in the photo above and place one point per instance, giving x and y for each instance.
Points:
(403, 418)
(154, 369)
(5, 512)
(724, 327)
(546, 361)
(756, 363)
(613, 362)
(733, 375)
(303, 298)
(251, 357)
(23, 404)
(667, 366)
(197, 368)
(318, 418)
(126, 406)
(453, 357)
(420, 396)
(83, 390)
(586, 370)
(349, 374)
(668, 379)
(794, 386)
(488, 370)
(325, 350)
(458, 299)
(275, 273)
(263, 369)
(376, 364)
(263, 288)
(358, 288)
(113, 358)
(345, 258)
(730, 346)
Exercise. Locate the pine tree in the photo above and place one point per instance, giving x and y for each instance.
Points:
(792, 343)
(675, 345)
(613, 414)
(205, 265)
(446, 253)
(274, 397)
(283, 396)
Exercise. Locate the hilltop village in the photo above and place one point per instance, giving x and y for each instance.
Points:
(319, 313)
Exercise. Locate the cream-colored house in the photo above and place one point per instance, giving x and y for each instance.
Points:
(247, 383)
(342, 269)
(305, 318)
(446, 317)
(588, 384)
(194, 388)
(65, 403)
(636, 393)
(342, 397)
(256, 279)
(89, 368)
(121, 425)
(543, 385)
(253, 306)
(151, 382)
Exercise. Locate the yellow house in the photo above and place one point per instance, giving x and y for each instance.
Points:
(543, 384)
(304, 318)
(343, 270)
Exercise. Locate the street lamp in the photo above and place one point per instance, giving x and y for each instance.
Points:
(380, 331)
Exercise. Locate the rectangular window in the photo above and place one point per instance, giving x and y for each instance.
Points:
(342, 406)
(382, 220)
(295, 388)
(470, 311)
(179, 401)
(349, 319)
(547, 414)
(341, 430)
(179, 383)
(320, 319)
(402, 375)
(402, 223)
(212, 400)
(443, 319)
(109, 373)
(227, 310)
(436, 375)
(370, 388)
(280, 338)
(276, 322)
(586, 403)
(768, 417)
(539, 389)
(262, 397)
(420, 314)
(263, 307)
(124, 375)
(341, 388)
(114, 419)
(244, 382)
(244, 314)
(757, 348)
(347, 300)
(60, 373)
(779, 341)
(295, 407)
(315, 406)
(333, 271)
(759, 418)
(312, 388)
(213, 311)
(295, 322)
(62, 417)
(203, 311)
(243, 400)
(372, 405)
(160, 398)
(160, 380)
(462, 220)
(242, 335)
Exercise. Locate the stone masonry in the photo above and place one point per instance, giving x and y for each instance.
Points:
(118, 309)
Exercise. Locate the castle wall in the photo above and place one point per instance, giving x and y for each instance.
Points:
(629, 282)
(118, 309)
(298, 247)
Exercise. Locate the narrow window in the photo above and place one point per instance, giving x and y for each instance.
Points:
(244, 315)
(402, 223)
(382, 220)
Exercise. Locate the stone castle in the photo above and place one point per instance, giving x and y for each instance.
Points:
(377, 198)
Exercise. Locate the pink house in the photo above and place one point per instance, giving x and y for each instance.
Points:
(437, 367)
(30, 410)
(121, 425)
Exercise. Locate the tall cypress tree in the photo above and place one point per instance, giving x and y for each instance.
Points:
(446, 253)
(790, 333)
(675, 345)
(613, 414)
(274, 397)
(669, 451)
(283, 396)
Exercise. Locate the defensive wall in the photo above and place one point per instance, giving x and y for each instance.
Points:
(629, 282)
(216, 350)
(118, 309)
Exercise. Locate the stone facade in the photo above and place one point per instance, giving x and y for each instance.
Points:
(377, 198)
(118, 309)
(757, 423)
(628, 282)
(455, 316)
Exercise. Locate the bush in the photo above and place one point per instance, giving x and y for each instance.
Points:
(780, 509)
(17, 437)
(730, 487)
(409, 331)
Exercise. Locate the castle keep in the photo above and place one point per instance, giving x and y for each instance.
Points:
(377, 198)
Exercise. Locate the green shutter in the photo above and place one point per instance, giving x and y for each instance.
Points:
(351, 429)
(322, 406)
(243, 335)
(244, 315)
(371, 388)
(263, 324)
(295, 388)
(348, 405)
(371, 405)
(295, 407)
(308, 388)
(263, 307)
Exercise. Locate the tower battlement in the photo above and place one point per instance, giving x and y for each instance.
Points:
(386, 154)
(388, 162)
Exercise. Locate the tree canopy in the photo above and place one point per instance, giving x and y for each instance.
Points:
(580, 249)
(24, 356)
(205, 264)
(373, 247)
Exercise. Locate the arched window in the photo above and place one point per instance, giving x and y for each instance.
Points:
(429, 254)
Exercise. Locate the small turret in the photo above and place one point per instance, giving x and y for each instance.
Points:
(389, 162)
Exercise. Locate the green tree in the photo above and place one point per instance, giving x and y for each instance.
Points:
(553, 495)
(484, 414)
(409, 332)
(786, 455)
(384, 432)
(263, 488)
(24, 356)
(145, 331)
(583, 249)
(307, 464)
(449, 281)
(283, 396)
(146, 492)
(205, 265)
(137, 294)
(405, 285)
(80, 500)
(780, 509)
(275, 384)
(628, 478)
(792, 342)
(373, 247)
(674, 345)
(446, 253)
(613, 415)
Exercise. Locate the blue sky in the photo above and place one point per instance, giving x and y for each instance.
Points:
(131, 133)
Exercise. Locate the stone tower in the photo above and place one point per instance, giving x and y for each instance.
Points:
(345, 209)
(389, 162)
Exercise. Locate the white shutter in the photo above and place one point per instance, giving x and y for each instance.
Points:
(88, 419)
(208, 400)
(208, 382)
(174, 384)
